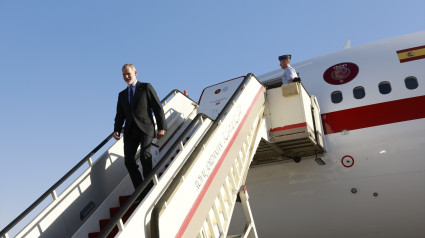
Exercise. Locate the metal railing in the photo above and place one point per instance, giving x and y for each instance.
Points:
(154, 222)
(52, 190)
(123, 210)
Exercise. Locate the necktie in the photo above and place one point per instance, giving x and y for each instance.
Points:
(131, 96)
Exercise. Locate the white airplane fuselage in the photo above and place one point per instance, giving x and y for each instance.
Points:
(373, 183)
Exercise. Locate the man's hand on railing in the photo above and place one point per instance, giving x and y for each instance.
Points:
(160, 134)
(117, 135)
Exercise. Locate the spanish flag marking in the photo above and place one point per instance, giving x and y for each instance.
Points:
(411, 54)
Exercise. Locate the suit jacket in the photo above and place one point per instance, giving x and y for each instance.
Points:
(145, 103)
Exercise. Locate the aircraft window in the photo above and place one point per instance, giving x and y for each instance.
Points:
(411, 82)
(385, 87)
(336, 97)
(359, 92)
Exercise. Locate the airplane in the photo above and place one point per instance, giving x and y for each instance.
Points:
(339, 154)
(372, 102)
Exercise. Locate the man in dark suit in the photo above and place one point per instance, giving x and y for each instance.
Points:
(135, 106)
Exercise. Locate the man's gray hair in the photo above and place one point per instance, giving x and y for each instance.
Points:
(129, 65)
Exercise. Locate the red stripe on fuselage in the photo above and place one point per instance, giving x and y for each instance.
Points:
(374, 115)
(410, 49)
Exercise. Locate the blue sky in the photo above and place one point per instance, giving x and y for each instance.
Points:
(60, 65)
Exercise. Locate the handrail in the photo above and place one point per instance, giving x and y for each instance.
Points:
(54, 187)
(154, 222)
(121, 212)
(67, 175)
(174, 92)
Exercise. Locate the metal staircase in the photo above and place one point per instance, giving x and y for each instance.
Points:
(201, 198)
(200, 167)
(218, 219)
(199, 176)
(199, 171)
(74, 204)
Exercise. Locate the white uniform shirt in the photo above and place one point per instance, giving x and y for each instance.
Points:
(288, 74)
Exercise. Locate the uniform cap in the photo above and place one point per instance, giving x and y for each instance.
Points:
(282, 57)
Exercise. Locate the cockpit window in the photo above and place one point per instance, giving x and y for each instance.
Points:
(384, 87)
(336, 97)
(359, 92)
(411, 82)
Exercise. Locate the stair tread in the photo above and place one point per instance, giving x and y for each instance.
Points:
(103, 223)
(123, 199)
(94, 234)
(111, 234)
(113, 211)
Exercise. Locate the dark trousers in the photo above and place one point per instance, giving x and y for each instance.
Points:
(133, 137)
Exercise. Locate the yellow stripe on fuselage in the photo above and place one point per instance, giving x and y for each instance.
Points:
(411, 54)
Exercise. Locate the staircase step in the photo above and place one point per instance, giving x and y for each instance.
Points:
(113, 211)
(123, 199)
(111, 235)
(103, 223)
(94, 234)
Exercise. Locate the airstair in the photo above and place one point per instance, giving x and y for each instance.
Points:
(199, 173)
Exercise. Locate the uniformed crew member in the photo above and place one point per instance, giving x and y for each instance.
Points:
(289, 73)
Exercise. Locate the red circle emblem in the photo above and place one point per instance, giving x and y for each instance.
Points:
(341, 73)
(347, 161)
(217, 91)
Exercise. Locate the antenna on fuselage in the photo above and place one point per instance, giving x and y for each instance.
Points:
(347, 44)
